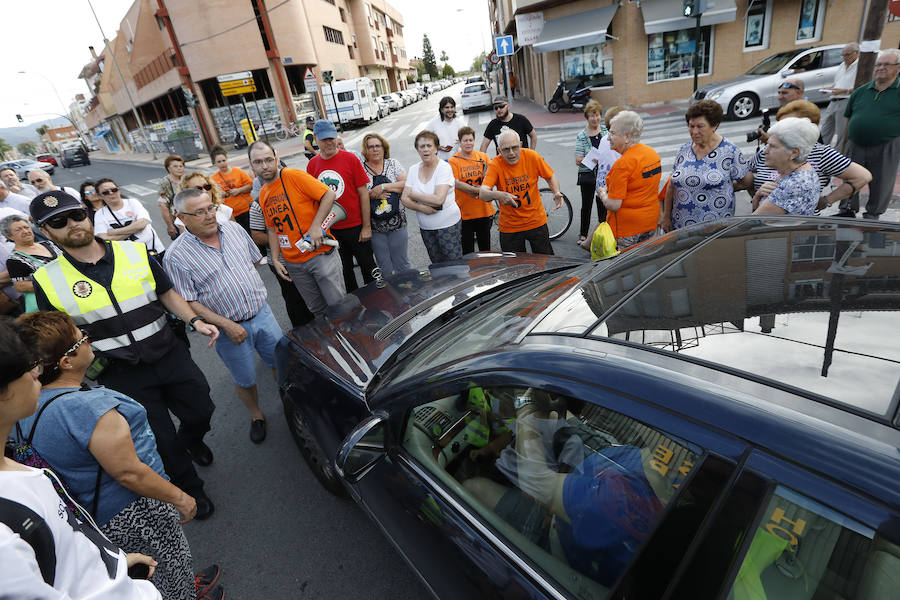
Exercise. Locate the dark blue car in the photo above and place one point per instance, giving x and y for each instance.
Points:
(713, 414)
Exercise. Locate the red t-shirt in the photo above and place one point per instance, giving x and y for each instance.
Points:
(292, 214)
(343, 173)
(235, 178)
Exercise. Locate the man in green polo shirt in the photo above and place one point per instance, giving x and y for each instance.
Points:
(874, 134)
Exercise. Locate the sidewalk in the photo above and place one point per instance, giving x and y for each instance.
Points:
(569, 117)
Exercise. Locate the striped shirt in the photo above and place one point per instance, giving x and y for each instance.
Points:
(223, 280)
(257, 220)
(827, 162)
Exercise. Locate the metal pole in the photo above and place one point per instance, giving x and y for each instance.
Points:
(249, 121)
(124, 85)
(696, 51)
(336, 111)
(261, 122)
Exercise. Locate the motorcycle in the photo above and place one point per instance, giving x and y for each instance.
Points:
(575, 95)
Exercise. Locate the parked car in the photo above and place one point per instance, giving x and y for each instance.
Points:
(47, 158)
(407, 96)
(475, 95)
(23, 165)
(692, 416)
(474, 78)
(391, 100)
(742, 96)
(401, 100)
(384, 109)
(74, 156)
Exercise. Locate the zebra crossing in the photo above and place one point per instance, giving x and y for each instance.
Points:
(409, 127)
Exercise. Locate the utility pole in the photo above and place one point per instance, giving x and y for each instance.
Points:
(871, 41)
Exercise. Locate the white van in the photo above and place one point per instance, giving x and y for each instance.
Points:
(355, 100)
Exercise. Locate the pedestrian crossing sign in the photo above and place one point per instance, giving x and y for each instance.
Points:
(504, 45)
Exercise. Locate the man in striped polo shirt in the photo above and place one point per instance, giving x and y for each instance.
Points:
(213, 267)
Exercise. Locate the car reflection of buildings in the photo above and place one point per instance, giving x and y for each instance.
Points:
(716, 289)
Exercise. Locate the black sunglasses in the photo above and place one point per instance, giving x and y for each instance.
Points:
(206, 187)
(109, 191)
(59, 221)
(786, 86)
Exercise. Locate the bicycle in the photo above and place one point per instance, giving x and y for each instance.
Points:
(558, 220)
(293, 130)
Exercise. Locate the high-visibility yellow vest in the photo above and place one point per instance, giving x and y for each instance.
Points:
(126, 319)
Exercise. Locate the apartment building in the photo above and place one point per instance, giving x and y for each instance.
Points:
(638, 52)
(170, 53)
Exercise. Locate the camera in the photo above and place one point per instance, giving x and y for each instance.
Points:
(766, 123)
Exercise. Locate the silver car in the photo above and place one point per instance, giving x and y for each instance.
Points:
(23, 165)
(756, 89)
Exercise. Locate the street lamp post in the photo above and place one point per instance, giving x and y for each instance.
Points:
(65, 112)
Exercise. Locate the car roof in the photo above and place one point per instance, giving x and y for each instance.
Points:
(801, 304)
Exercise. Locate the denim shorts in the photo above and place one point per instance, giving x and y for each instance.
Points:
(263, 333)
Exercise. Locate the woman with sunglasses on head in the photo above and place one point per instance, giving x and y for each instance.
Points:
(79, 562)
(26, 257)
(124, 219)
(91, 199)
(198, 180)
(100, 443)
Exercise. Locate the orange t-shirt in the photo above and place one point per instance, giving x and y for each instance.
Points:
(634, 179)
(521, 180)
(471, 171)
(234, 179)
(292, 215)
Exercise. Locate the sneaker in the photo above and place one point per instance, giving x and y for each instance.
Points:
(205, 580)
(870, 216)
(217, 593)
(846, 212)
(205, 507)
(257, 430)
(264, 260)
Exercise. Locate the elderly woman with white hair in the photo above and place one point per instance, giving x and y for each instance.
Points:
(632, 185)
(797, 189)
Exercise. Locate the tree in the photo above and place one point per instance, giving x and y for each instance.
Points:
(478, 62)
(27, 148)
(448, 71)
(41, 130)
(444, 57)
(4, 147)
(428, 57)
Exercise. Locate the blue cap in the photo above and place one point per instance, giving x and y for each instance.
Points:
(324, 129)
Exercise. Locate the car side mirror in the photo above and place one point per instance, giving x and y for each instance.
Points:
(363, 448)
(786, 73)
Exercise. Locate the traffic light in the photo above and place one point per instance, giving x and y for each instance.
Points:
(20, 119)
(692, 8)
(327, 76)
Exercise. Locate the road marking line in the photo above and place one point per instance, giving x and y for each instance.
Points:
(139, 190)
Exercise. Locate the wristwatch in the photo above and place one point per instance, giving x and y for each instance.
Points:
(195, 319)
(522, 401)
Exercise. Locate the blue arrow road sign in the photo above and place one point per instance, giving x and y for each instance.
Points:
(504, 45)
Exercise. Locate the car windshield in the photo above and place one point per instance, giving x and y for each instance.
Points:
(773, 64)
(809, 306)
(502, 318)
(473, 88)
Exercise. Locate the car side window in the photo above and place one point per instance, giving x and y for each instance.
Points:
(832, 57)
(575, 487)
(808, 62)
(804, 549)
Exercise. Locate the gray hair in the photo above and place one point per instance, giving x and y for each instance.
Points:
(853, 46)
(6, 223)
(508, 132)
(631, 124)
(890, 52)
(796, 134)
(184, 195)
(39, 172)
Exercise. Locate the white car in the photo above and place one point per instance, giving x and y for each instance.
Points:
(401, 100)
(475, 95)
(391, 101)
(384, 108)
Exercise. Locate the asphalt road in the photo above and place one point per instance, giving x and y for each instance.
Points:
(276, 532)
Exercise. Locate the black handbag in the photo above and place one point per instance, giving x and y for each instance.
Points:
(389, 207)
(587, 178)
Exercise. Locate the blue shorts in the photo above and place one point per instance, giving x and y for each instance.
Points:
(263, 333)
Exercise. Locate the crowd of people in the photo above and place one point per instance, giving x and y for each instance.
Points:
(103, 298)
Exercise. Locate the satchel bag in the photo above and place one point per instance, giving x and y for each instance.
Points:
(587, 177)
(383, 209)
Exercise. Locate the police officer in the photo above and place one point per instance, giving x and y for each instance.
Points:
(309, 139)
(120, 296)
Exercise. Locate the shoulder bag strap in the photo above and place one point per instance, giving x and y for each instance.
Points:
(35, 532)
(40, 412)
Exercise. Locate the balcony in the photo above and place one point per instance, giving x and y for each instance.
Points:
(394, 59)
(390, 32)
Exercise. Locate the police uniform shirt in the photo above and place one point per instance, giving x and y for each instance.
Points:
(102, 272)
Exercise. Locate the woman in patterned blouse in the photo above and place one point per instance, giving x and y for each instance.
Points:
(797, 189)
(706, 173)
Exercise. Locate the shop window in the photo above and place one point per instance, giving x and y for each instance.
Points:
(670, 55)
(812, 17)
(592, 64)
(757, 25)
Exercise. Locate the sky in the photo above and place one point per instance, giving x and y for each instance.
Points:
(50, 42)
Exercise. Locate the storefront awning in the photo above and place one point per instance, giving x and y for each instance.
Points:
(580, 29)
(665, 15)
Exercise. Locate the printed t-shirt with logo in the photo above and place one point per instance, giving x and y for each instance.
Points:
(235, 178)
(634, 179)
(343, 173)
(292, 215)
(471, 170)
(521, 180)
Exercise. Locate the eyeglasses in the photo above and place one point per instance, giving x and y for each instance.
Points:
(510, 148)
(786, 85)
(202, 212)
(37, 180)
(60, 221)
(374, 147)
(85, 337)
(263, 161)
(109, 191)
(886, 65)
(205, 187)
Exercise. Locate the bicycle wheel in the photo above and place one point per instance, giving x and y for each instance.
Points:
(282, 134)
(558, 219)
